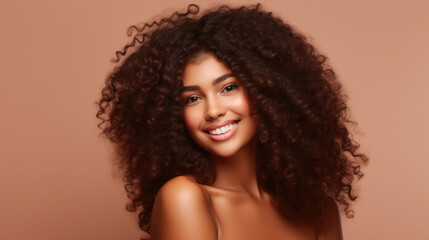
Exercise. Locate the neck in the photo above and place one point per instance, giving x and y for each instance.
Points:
(238, 172)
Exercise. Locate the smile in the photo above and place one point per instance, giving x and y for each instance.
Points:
(223, 129)
(224, 132)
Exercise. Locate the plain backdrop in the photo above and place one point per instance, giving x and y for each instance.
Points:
(56, 174)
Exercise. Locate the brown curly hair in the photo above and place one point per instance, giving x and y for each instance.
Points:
(306, 155)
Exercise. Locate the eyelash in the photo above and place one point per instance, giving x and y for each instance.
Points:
(193, 98)
(235, 86)
(188, 99)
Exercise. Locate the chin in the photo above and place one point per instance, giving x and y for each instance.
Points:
(226, 151)
(223, 154)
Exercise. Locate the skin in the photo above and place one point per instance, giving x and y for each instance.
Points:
(234, 207)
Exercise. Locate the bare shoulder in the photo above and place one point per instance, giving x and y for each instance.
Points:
(181, 188)
(181, 211)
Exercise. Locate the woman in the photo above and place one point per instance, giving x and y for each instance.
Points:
(230, 125)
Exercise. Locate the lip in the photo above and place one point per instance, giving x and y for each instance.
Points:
(223, 136)
(214, 126)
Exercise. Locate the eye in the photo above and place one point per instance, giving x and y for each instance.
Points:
(192, 99)
(229, 88)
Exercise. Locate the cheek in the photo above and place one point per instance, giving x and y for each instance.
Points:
(191, 118)
(241, 105)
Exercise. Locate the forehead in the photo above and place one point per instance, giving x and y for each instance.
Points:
(203, 70)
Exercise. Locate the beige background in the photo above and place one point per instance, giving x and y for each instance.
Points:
(56, 178)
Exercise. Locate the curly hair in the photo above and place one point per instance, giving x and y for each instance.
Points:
(306, 156)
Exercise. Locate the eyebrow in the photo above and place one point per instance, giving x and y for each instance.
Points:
(214, 83)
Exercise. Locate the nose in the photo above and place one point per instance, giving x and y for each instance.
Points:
(215, 108)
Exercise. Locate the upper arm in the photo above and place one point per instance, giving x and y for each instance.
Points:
(333, 230)
(181, 211)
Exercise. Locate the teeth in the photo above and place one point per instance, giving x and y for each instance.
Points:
(223, 129)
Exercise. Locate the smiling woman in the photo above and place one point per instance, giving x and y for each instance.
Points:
(230, 125)
(216, 110)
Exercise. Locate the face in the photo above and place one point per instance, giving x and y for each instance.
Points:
(216, 109)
